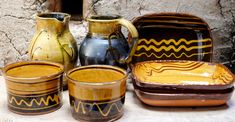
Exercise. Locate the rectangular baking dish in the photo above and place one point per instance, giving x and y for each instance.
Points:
(182, 83)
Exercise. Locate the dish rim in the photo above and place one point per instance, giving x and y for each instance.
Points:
(144, 84)
(114, 68)
(32, 79)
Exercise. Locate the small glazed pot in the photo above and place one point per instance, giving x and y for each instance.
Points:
(34, 87)
(97, 92)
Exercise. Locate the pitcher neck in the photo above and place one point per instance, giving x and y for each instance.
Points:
(52, 22)
(51, 26)
(103, 28)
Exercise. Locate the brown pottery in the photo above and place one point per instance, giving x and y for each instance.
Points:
(33, 87)
(97, 92)
(182, 83)
(172, 36)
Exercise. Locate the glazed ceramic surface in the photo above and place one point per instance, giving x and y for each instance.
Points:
(180, 80)
(33, 87)
(105, 43)
(183, 99)
(53, 41)
(183, 73)
(172, 36)
(97, 93)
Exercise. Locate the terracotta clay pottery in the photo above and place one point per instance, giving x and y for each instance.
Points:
(53, 41)
(182, 83)
(164, 69)
(97, 92)
(172, 36)
(105, 43)
(33, 87)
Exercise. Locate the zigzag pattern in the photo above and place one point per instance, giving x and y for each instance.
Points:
(81, 105)
(34, 101)
(176, 43)
(177, 46)
(172, 54)
(172, 47)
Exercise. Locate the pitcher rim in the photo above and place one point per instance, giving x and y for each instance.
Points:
(39, 15)
(113, 18)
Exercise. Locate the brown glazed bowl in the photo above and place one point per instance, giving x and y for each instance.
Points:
(182, 83)
(97, 92)
(172, 36)
(33, 87)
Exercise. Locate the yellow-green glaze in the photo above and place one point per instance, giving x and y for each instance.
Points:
(53, 40)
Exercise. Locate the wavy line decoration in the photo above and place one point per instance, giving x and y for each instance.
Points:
(172, 47)
(222, 76)
(32, 102)
(172, 54)
(173, 66)
(183, 46)
(80, 106)
(176, 43)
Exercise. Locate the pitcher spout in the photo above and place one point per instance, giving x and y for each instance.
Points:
(59, 20)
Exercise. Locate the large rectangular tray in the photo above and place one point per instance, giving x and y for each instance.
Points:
(172, 36)
(175, 83)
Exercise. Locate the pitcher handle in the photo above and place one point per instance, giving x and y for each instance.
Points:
(132, 42)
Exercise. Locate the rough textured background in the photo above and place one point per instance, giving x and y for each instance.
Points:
(220, 14)
(17, 21)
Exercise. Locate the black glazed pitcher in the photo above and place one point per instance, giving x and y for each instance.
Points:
(105, 43)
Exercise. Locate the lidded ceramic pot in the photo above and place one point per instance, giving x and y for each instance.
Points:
(105, 43)
(53, 41)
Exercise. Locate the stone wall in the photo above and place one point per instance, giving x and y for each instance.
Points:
(17, 21)
(220, 15)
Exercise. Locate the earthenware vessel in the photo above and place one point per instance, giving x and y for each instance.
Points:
(172, 36)
(33, 87)
(53, 41)
(97, 92)
(182, 83)
(105, 43)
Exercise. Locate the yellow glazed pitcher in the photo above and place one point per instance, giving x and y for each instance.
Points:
(53, 40)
